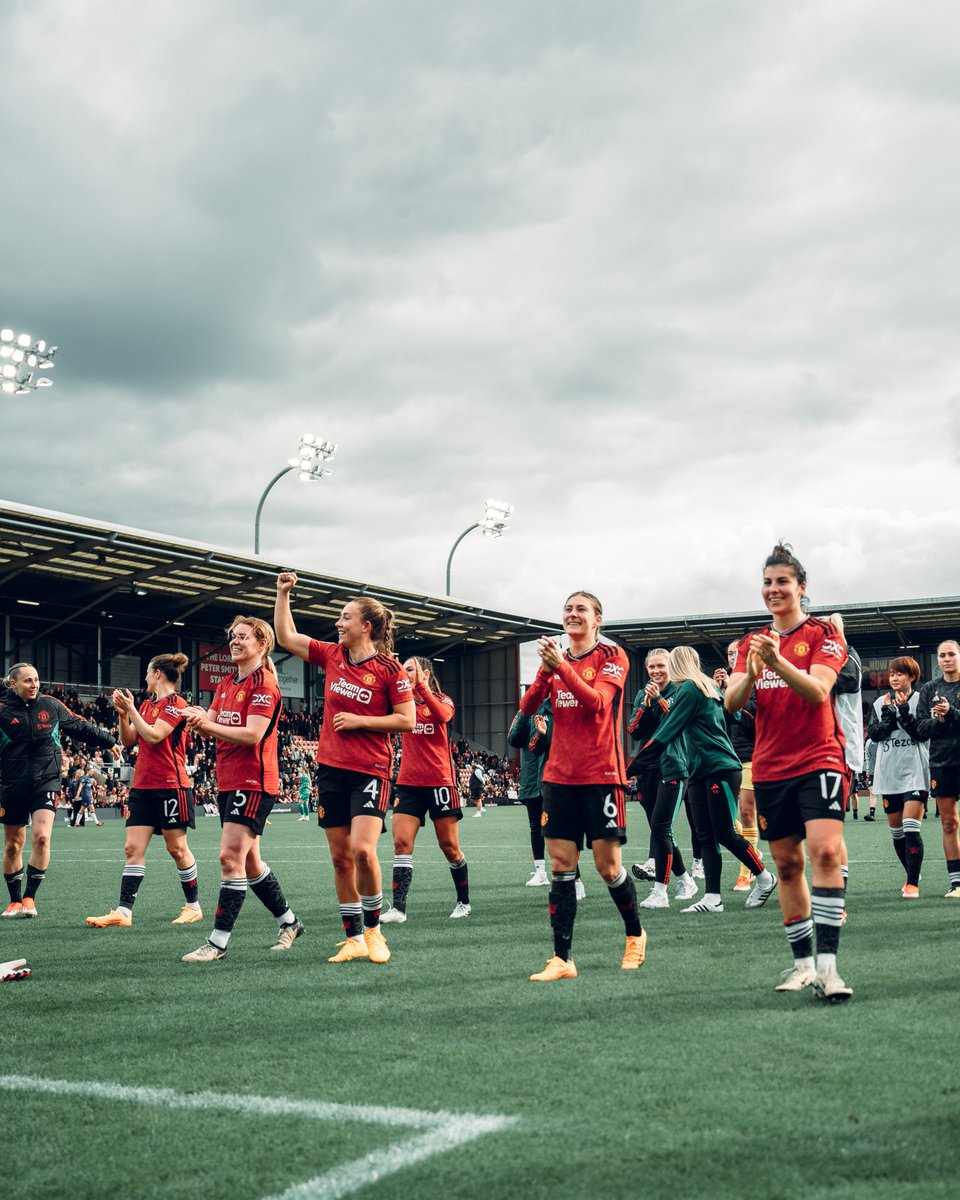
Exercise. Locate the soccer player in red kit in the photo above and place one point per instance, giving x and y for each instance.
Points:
(427, 784)
(161, 799)
(584, 779)
(243, 718)
(799, 768)
(366, 697)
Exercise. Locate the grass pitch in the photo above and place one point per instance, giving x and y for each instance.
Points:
(446, 1073)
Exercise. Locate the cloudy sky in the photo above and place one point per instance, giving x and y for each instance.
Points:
(674, 279)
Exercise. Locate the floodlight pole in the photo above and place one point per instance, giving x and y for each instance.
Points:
(469, 529)
(266, 492)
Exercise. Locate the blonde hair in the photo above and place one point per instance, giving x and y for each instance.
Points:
(15, 670)
(685, 664)
(264, 635)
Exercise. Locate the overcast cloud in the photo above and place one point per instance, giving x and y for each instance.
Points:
(674, 279)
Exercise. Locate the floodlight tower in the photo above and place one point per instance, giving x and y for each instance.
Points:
(310, 466)
(20, 358)
(493, 524)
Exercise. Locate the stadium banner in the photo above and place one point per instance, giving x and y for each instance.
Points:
(214, 665)
(289, 675)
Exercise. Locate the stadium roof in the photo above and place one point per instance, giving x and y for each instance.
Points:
(69, 569)
(905, 620)
(63, 567)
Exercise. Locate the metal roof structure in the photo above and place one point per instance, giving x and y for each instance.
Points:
(66, 570)
(907, 624)
(64, 567)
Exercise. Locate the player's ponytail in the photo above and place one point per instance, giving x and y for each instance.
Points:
(381, 622)
(782, 555)
(171, 666)
(685, 666)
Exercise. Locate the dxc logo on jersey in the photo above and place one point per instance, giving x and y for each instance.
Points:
(833, 648)
(225, 717)
(261, 699)
(613, 670)
(352, 691)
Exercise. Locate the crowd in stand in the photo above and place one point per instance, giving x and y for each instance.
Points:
(298, 734)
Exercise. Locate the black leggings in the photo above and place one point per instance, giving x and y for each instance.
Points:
(666, 852)
(714, 803)
(534, 807)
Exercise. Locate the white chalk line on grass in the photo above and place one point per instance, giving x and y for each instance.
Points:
(443, 1131)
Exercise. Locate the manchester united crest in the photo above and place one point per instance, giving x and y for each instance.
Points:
(368, 678)
(801, 649)
(590, 673)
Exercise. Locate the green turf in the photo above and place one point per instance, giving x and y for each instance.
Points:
(689, 1078)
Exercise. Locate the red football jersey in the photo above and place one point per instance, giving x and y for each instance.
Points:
(426, 760)
(794, 737)
(248, 768)
(586, 694)
(163, 765)
(371, 688)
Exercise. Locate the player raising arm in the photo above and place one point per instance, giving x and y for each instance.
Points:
(426, 784)
(366, 697)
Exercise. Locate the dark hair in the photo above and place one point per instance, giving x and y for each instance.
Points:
(171, 666)
(598, 607)
(381, 622)
(905, 665)
(782, 555)
(426, 666)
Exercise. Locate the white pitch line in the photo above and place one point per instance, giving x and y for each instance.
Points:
(443, 1130)
(352, 1176)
